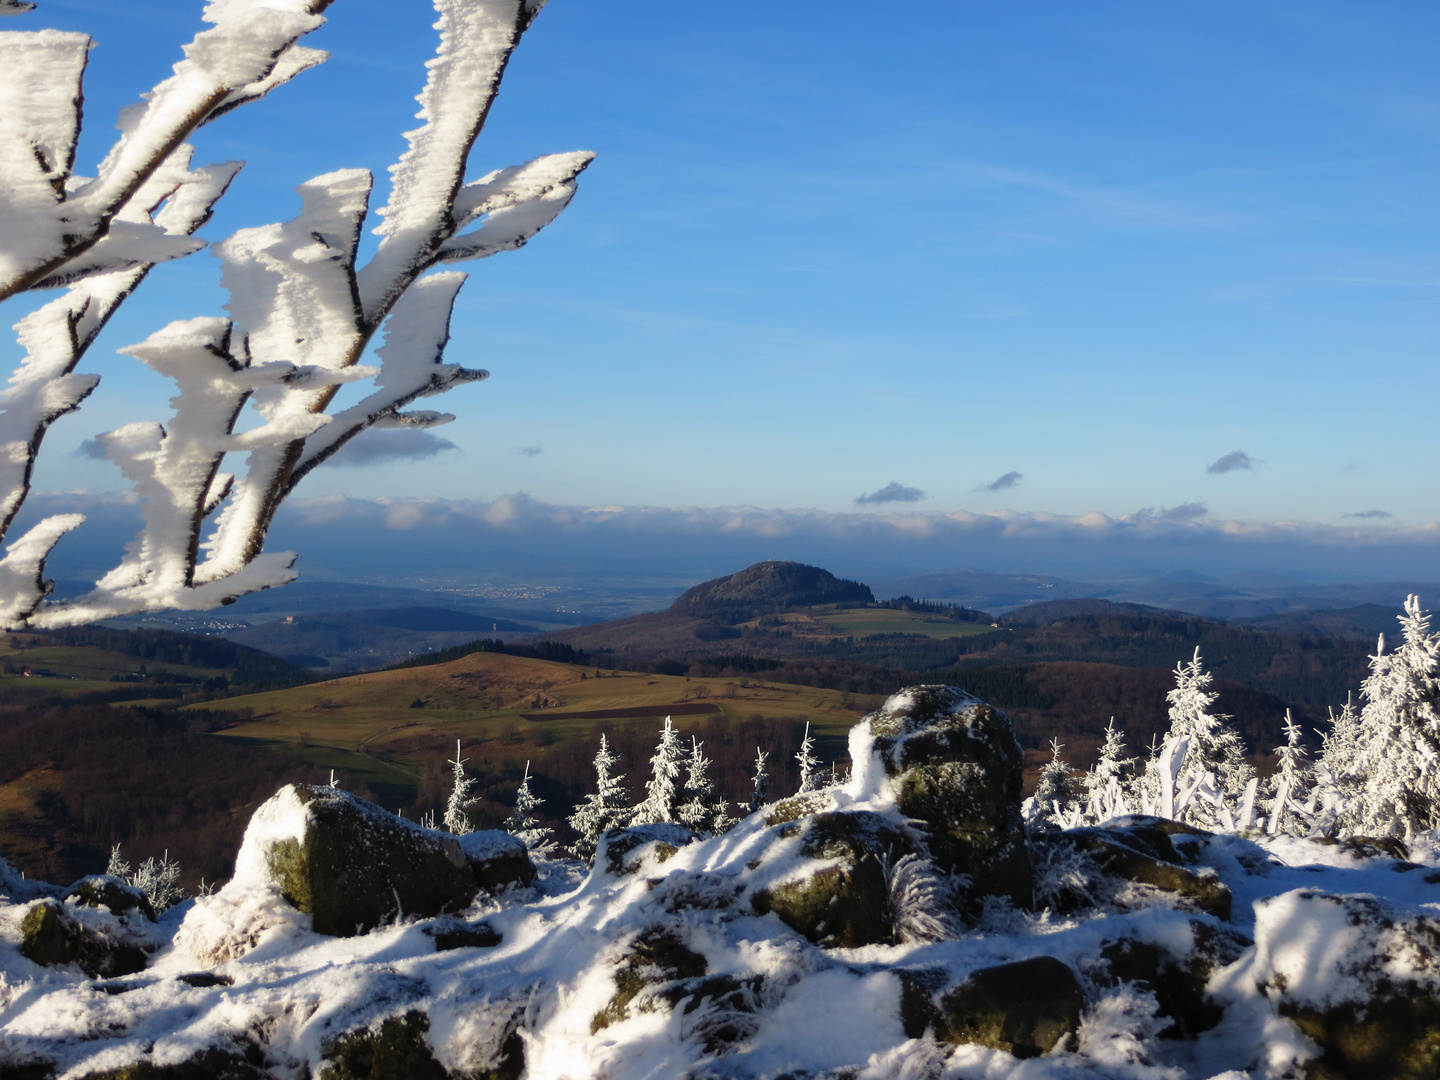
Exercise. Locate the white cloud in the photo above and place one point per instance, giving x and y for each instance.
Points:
(377, 447)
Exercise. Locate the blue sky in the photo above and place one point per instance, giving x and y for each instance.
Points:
(827, 247)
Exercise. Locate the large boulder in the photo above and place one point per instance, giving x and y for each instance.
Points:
(352, 865)
(102, 890)
(54, 934)
(951, 761)
(1368, 995)
(840, 896)
(1024, 1008)
(212, 1063)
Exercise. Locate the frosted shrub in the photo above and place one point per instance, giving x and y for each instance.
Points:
(522, 822)
(457, 809)
(159, 881)
(302, 312)
(662, 791)
(810, 775)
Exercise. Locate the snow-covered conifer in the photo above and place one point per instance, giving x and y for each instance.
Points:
(810, 775)
(606, 808)
(1214, 747)
(457, 809)
(118, 867)
(1397, 756)
(522, 821)
(759, 783)
(662, 792)
(1105, 784)
(1056, 798)
(700, 811)
(1289, 786)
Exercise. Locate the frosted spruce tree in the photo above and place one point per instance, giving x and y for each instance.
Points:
(810, 774)
(1396, 770)
(1289, 786)
(303, 312)
(607, 808)
(457, 808)
(701, 812)
(1213, 748)
(1104, 785)
(759, 782)
(662, 792)
(522, 821)
(1056, 799)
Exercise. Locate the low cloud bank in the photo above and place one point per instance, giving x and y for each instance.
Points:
(516, 534)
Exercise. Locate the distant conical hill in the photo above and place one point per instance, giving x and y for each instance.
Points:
(766, 588)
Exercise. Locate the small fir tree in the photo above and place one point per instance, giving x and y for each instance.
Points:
(457, 810)
(662, 792)
(607, 808)
(1214, 746)
(759, 783)
(1397, 758)
(1056, 799)
(1290, 784)
(809, 764)
(701, 812)
(1105, 784)
(522, 821)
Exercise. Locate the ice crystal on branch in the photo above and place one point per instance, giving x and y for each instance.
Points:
(302, 313)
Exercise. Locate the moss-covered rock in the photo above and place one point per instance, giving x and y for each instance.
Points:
(497, 859)
(1178, 979)
(625, 851)
(1023, 1008)
(842, 901)
(52, 936)
(213, 1063)
(1147, 856)
(656, 958)
(952, 762)
(101, 890)
(1369, 1000)
(395, 1049)
(352, 865)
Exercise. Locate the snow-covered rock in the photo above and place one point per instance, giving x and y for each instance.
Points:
(351, 865)
(1359, 976)
(946, 758)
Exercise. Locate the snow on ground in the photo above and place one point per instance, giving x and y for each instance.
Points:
(811, 1011)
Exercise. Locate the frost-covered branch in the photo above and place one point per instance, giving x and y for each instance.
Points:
(51, 219)
(302, 314)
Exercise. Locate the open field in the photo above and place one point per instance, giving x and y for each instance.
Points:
(391, 729)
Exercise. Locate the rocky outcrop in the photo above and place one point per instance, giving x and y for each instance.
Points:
(352, 865)
(1371, 999)
(1141, 851)
(1024, 1008)
(103, 946)
(842, 900)
(1177, 976)
(951, 761)
(101, 890)
(625, 851)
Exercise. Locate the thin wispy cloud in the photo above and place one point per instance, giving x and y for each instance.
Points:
(90, 448)
(529, 451)
(1233, 461)
(1000, 483)
(381, 447)
(891, 493)
(1369, 514)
